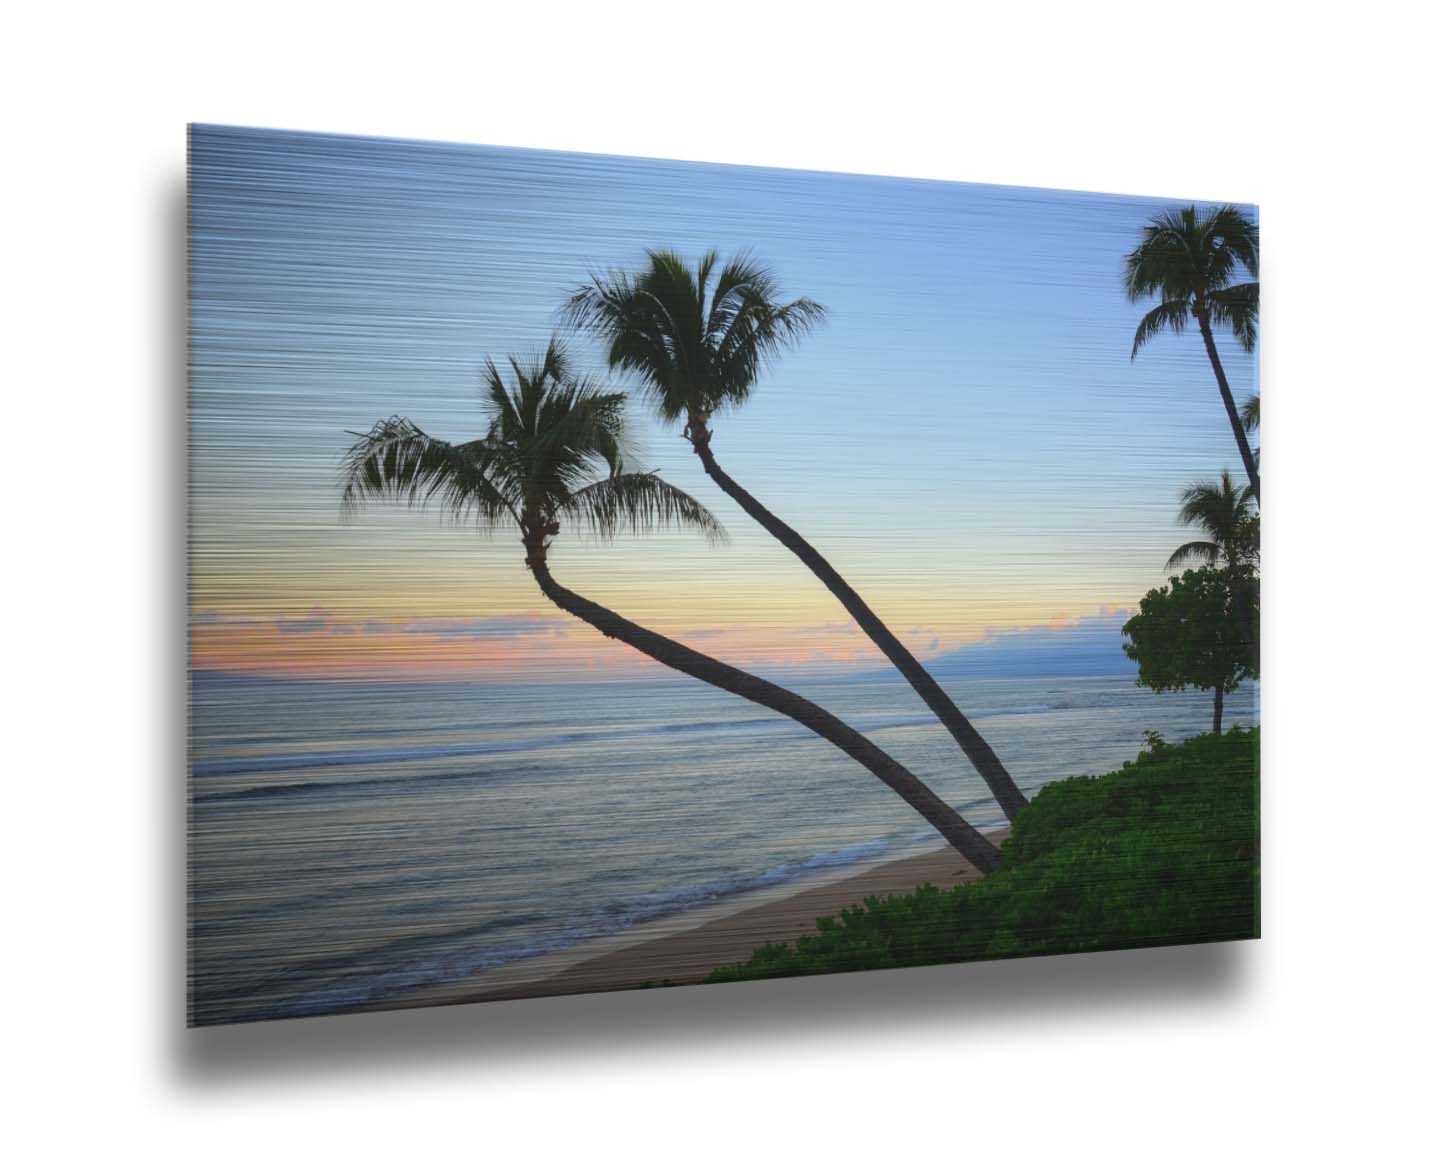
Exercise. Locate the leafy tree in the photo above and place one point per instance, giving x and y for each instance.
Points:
(1232, 544)
(1189, 256)
(1190, 634)
(696, 341)
(1164, 851)
(552, 456)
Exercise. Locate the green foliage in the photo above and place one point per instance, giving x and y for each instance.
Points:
(1165, 851)
(1193, 632)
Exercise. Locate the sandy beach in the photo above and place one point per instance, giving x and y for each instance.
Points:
(684, 948)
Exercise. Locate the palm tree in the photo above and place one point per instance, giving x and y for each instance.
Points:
(1250, 413)
(1232, 531)
(697, 349)
(553, 455)
(1231, 543)
(1188, 256)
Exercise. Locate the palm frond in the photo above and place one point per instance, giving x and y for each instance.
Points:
(643, 337)
(1233, 238)
(756, 334)
(1250, 413)
(554, 451)
(397, 460)
(1205, 551)
(497, 400)
(1238, 308)
(1172, 314)
(1187, 251)
(1207, 504)
(1161, 261)
(576, 427)
(702, 273)
(1223, 511)
(741, 278)
(691, 349)
(640, 502)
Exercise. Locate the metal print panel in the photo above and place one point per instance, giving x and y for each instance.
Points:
(613, 573)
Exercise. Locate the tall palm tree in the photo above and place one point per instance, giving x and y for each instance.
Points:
(1232, 545)
(553, 454)
(697, 348)
(1189, 256)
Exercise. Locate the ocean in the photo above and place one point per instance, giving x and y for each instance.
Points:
(352, 842)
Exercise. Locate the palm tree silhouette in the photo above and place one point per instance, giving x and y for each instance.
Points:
(1188, 256)
(1232, 531)
(1250, 418)
(552, 455)
(1231, 544)
(697, 350)
(1250, 413)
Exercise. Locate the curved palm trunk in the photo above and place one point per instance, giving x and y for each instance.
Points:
(1241, 440)
(981, 755)
(949, 823)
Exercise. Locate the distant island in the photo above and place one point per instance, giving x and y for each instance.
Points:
(1091, 646)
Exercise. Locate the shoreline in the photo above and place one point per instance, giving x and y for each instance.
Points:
(685, 947)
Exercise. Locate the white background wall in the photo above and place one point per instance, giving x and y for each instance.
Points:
(1320, 1033)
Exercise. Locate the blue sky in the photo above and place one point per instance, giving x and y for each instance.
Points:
(966, 438)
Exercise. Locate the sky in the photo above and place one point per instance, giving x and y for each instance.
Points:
(966, 438)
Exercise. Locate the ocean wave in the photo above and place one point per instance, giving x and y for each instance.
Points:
(407, 753)
(358, 757)
(448, 964)
(366, 786)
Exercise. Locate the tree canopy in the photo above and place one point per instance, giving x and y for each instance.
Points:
(695, 341)
(1190, 634)
(553, 453)
(1188, 257)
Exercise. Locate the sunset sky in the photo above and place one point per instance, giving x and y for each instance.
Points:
(966, 438)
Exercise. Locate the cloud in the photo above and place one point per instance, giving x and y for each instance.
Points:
(322, 622)
(491, 626)
(845, 629)
(221, 620)
(318, 621)
(536, 646)
(319, 643)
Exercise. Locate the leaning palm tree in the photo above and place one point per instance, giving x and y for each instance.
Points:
(1188, 256)
(1232, 545)
(552, 455)
(697, 349)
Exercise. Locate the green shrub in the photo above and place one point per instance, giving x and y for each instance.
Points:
(1164, 851)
